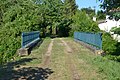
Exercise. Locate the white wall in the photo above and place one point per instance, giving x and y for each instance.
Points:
(108, 24)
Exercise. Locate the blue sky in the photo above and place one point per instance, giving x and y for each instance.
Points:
(88, 3)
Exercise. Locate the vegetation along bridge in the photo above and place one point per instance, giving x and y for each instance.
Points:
(59, 59)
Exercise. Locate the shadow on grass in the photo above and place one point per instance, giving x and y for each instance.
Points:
(12, 71)
(34, 46)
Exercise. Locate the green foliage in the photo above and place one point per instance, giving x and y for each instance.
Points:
(101, 15)
(109, 4)
(116, 15)
(81, 22)
(70, 7)
(17, 16)
(116, 30)
(113, 57)
(112, 7)
(64, 28)
(110, 69)
(109, 45)
(52, 16)
(89, 11)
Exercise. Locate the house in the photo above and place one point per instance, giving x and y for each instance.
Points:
(108, 24)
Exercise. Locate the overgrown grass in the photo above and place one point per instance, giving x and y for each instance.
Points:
(110, 69)
(38, 53)
(32, 60)
(88, 65)
(58, 62)
(102, 67)
(82, 56)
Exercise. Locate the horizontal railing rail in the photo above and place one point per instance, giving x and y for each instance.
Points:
(29, 38)
(94, 39)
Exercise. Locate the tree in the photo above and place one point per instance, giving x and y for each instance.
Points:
(70, 7)
(89, 11)
(53, 14)
(112, 8)
(81, 22)
(17, 16)
(101, 15)
(110, 4)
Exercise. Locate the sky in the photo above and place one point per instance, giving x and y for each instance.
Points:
(88, 3)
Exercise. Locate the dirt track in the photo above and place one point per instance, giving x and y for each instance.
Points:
(46, 59)
(71, 65)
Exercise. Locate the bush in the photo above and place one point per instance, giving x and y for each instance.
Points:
(18, 17)
(113, 57)
(82, 22)
(108, 45)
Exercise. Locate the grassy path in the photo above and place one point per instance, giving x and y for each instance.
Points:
(61, 59)
(70, 61)
(46, 59)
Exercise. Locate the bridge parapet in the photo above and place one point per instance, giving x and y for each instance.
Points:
(29, 40)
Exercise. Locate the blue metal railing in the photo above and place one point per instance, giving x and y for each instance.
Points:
(94, 39)
(29, 38)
